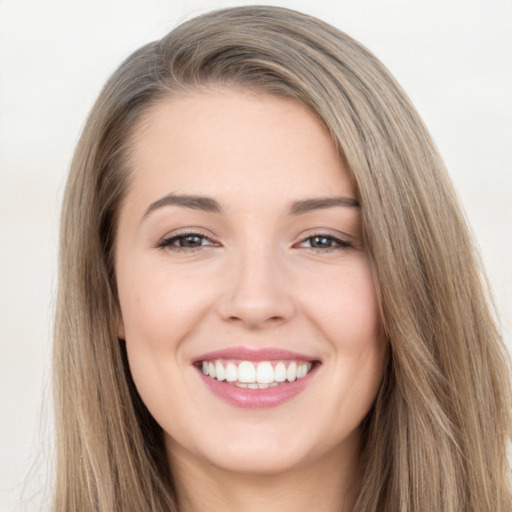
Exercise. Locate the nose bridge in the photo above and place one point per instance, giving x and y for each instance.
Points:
(256, 296)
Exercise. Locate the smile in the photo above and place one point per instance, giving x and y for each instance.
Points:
(256, 378)
(261, 375)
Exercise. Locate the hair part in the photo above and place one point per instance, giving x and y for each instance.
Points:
(436, 437)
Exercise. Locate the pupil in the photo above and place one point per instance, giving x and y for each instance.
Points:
(321, 242)
(190, 241)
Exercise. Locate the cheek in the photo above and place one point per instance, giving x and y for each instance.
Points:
(351, 323)
(347, 308)
(160, 310)
(159, 307)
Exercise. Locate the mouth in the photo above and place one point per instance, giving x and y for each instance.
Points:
(255, 379)
(256, 375)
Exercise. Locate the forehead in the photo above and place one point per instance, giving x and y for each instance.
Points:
(225, 142)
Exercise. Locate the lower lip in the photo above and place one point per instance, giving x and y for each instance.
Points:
(247, 398)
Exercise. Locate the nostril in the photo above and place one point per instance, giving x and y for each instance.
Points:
(256, 307)
(255, 321)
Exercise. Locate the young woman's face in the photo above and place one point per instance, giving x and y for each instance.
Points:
(248, 307)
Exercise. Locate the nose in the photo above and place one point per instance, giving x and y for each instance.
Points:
(256, 296)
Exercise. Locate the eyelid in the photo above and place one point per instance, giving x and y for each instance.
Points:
(343, 241)
(166, 241)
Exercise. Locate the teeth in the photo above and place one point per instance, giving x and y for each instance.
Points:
(220, 372)
(247, 374)
(265, 373)
(280, 372)
(231, 373)
(291, 372)
(255, 385)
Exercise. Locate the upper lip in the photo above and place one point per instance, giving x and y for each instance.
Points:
(251, 354)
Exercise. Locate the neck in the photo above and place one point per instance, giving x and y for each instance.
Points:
(327, 485)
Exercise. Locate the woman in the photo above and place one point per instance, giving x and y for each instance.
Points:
(269, 299)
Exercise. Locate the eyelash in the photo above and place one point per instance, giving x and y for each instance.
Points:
(168, 243)
(339, 244)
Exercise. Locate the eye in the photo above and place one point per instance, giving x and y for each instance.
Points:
(186, 242)
(324, 242)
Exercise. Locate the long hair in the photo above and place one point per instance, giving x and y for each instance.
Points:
(437, 435)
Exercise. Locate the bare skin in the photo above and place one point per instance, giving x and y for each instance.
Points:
(302, 490)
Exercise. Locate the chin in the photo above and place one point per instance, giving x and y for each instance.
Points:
(256, 451)
(243, 461)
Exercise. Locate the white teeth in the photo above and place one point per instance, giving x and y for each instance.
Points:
(219, 370)
(256, 375)
(265, 373)
(302, 371)
(246, 372)
(254, 385)
(280, 372)
(291, 372)
(211, 370)
(231, 372)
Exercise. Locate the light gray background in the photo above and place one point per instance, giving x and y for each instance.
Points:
(454, 58)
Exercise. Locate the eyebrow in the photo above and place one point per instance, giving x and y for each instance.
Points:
(205, 204)
(307, 205)
(208, 204)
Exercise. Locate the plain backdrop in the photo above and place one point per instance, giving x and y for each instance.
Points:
(454, 59)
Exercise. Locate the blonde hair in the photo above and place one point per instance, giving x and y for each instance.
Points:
(437, 435)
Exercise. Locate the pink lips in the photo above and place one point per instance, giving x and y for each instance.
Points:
(254, 398)
(250, 354)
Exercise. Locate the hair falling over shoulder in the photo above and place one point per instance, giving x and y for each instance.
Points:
(438, 434)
